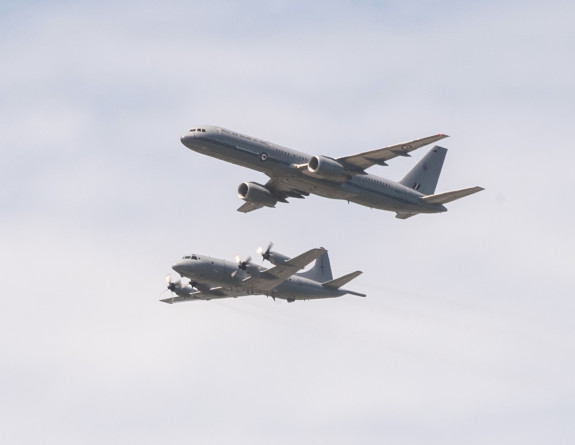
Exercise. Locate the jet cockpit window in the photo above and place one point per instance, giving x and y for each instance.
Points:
(198, 129)
(190, 257)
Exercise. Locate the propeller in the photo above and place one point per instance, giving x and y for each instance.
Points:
(265, 253)
(172, 285)
(242, 265)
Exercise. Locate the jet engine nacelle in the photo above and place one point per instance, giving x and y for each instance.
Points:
(256, 193)
(327, 168)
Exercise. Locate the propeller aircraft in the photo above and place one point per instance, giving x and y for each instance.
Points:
(213, 278)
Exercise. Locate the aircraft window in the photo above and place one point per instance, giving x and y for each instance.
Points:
(194, 257)
(193, 129)
(204, 130)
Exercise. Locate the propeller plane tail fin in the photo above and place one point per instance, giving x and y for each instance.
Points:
(321, 270)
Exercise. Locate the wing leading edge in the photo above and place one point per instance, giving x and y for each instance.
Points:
(359, 162)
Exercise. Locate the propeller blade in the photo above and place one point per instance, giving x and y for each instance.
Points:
(173, 284)
(242, 265)
(265, 253)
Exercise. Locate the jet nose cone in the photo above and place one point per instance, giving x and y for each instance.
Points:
(185, 138)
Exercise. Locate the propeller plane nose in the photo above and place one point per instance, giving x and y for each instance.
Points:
(179, 267)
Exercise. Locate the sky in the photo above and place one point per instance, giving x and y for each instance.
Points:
(467, 334)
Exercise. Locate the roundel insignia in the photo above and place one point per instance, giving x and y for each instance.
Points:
(264, 157)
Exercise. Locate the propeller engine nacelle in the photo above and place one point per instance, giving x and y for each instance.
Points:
(256, 193)
(273, 257)
(327, 168)
(177, 287)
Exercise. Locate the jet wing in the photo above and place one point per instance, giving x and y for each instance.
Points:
(281, 188)
(268, 279)
(359, 162)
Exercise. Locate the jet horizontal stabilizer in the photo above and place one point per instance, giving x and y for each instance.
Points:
(443, 198)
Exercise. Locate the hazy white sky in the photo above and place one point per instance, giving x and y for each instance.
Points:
(467, 333)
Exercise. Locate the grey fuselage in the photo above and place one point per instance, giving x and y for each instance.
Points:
(218, 273)
(280, 162)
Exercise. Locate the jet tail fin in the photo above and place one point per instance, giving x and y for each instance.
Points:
(443, 198)
(321, 270)
(424, 176)
(338, 282)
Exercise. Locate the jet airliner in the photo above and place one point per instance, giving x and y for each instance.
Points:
(294, 174)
